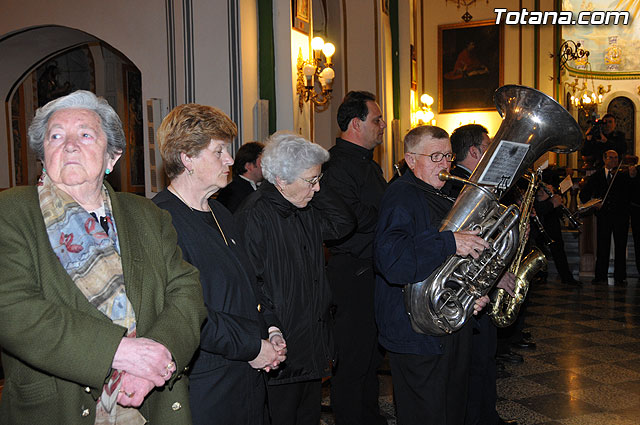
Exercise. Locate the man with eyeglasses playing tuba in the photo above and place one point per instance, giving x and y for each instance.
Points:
(430, 373)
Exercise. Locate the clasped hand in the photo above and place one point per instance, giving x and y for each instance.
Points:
(272, 352)
(468, 243)
(146, 363)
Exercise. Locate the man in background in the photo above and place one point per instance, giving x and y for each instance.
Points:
(611, 218)
(357, 178)
(469, 142)
(247, 175)
(602, 137)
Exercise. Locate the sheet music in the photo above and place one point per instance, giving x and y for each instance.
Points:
(566, 184)
(504, 163)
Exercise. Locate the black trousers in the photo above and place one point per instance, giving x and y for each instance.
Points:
(432, 389)
(618, 224)
(295, 404)
(354, 385)
(231, 394)
(482, 397)
(635, 226)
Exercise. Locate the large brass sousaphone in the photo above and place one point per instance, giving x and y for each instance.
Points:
(443, 302)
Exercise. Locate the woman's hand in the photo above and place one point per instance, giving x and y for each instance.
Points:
(133, 390)
(268, 358)
(467, 243)
(144, 358)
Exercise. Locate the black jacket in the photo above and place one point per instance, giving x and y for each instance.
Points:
(224, 388)
(234, 193)
(284, 244)
(352, 173)
(617, 201)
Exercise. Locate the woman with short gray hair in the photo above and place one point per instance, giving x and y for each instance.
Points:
(284, 224)
(287, 155)
(98, 308)
(80, 99)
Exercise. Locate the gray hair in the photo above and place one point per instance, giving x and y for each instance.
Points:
(287, 155)
(421, 133)
(80, 99)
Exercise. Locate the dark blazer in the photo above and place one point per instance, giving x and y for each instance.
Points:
(224, 388)
(234, 193)
(57, 347)
(617, 201)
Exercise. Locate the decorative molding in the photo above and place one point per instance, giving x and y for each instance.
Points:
(235, 70)
(171, 52)
(189, 68)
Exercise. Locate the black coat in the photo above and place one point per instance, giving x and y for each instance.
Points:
(224, 389)
(284, 244)
(234, 193)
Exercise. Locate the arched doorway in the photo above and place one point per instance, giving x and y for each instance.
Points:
(623, 110)
(76, 61)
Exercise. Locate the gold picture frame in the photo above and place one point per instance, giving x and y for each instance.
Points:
(470, 65)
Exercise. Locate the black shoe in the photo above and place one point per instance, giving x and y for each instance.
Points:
(598, 281)
(524, 344)
(572, 282)
(510, 357)
(507, 422)
(620, 282)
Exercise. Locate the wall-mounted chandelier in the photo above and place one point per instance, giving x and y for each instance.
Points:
(314, 67)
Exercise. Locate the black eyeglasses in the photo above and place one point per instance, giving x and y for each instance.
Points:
(314, 180)
(437, 156)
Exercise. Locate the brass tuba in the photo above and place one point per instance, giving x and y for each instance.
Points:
(443, 302)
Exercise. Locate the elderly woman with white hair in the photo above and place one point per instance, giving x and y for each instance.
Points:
(284, 224)
(98, 308)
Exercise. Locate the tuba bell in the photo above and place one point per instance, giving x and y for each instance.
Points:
(532, 124)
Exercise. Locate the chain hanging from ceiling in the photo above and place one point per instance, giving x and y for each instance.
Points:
(466, 3)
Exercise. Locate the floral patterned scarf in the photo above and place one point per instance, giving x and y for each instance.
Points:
(91, 257)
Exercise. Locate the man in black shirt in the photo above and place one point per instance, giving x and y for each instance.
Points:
(352, 173)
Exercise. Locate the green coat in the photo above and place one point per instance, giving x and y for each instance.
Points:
(58, 348)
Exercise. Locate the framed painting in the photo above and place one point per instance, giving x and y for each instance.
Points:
(470, 65)
(301, 10)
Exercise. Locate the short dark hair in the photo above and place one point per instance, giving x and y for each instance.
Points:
(608, 116)
(463, 138)
(247, 154)
(354, 105)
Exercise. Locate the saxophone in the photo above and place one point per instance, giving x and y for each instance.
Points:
(505, 308)
(442, 303)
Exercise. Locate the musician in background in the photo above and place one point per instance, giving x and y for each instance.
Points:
(634, 210)
(430, 374)
(469, 143)
(548, 209)
(612, 217)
